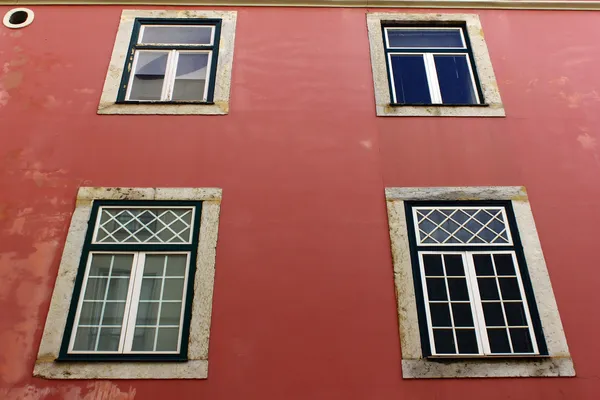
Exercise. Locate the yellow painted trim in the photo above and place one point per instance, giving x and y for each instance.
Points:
(460, 4)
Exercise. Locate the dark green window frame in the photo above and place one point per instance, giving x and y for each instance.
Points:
(467, 51)
(90, 247)
(134, 46)
(516, 247)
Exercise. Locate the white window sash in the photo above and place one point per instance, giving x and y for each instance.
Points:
(476, 305)
(131, 304)
(170, 73)
(435, 93)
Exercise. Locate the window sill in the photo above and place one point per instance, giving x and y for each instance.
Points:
(436, 105)
(193, 369)
(121, 358)
(543, 366)
(164, 108)
(440, 110)
(151, 102)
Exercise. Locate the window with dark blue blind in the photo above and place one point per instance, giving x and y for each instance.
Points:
(430, 65)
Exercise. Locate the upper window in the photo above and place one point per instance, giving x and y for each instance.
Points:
(430, 65)
(135, 277)
(476, 296)
(172, 61)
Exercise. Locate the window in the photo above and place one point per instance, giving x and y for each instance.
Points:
(135, 286)
(135, 279)
(476, 296)
(430, 65)
(473, 291)
(172, 61)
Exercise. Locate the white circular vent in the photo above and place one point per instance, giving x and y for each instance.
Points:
(18, 18)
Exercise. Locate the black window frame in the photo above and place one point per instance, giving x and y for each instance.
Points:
(443, 24)
(134, 45)
(89, 247)
(517, 247)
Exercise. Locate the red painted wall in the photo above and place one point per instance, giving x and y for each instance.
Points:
(304, 303)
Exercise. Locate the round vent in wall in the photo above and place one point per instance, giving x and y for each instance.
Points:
(18, 18)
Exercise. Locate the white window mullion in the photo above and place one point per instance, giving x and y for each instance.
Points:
(170, 73)
(474, 299)
(432, 79)
(133, 301)
(479, 320)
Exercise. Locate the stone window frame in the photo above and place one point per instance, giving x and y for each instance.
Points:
(222, 85)
(196, 367)
(492, 106)
(558, 362)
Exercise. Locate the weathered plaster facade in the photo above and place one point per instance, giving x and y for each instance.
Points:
(197, 365)
(558, 362)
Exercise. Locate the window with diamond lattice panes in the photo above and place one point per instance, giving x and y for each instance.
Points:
(131, 299)
(476, 297)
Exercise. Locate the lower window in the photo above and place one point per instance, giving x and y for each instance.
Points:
(132, 303)
(476, 297)
(132, 294)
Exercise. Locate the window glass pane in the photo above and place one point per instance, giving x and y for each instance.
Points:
(167, 339)
(488, 289)
(176, 265)
(91, 312)
(95, 289)
(173, 289)
(190, 78)
(151, 288)
(154, 265)
(515, 314)
(444, 341)
(143, 339)
(436, 289)
(521, 340)
(410, 79)
(149, 75)
(122, 264)
(483, 264)
(400, 37)
(504, 264)
(440, 314)
(498, 340)
(510, 289)
(177, 35)
(170, 313)
(467, 341)
(147, 313)
(113, 313)
(433, 265)
(458, 289)
(456, 86)
(100, 265)
(493, 314)
(118, 288)
(85, 339)
(454, 265)
(463, 316)
(109, 339)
